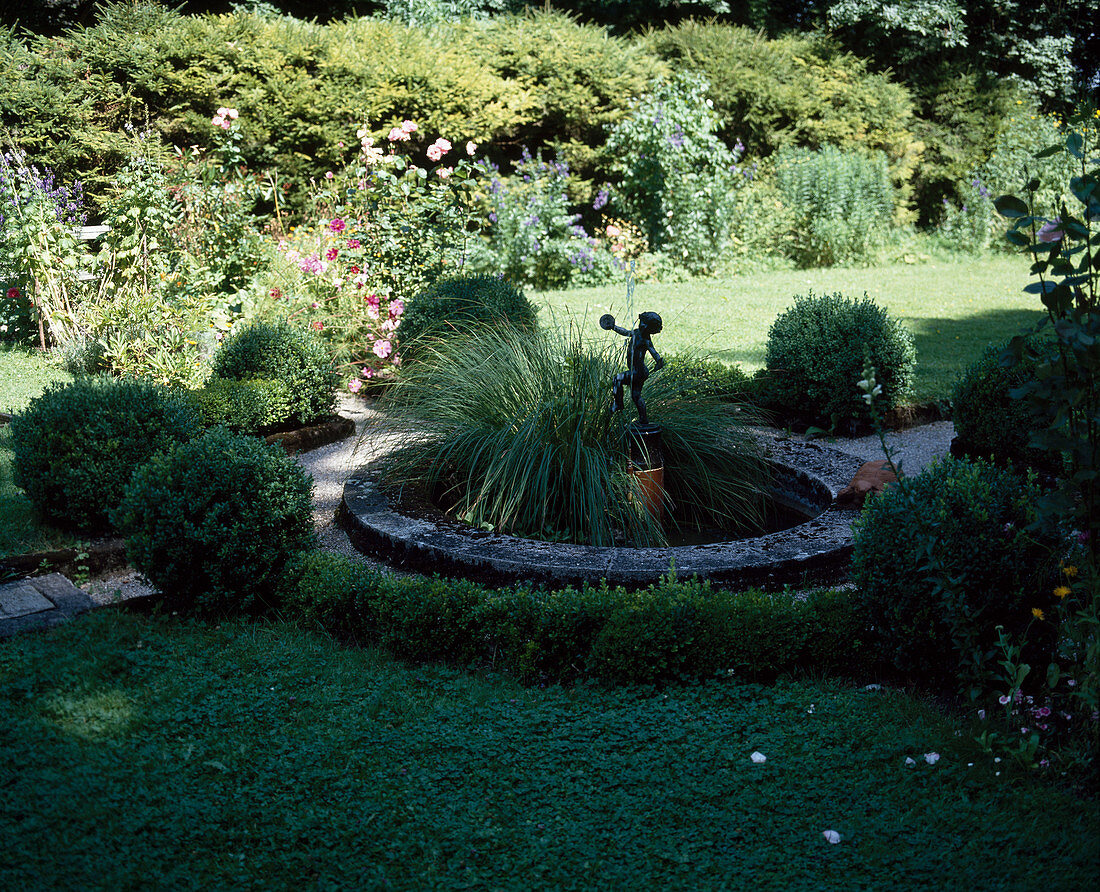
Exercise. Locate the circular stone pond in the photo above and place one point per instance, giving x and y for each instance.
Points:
(805, 477)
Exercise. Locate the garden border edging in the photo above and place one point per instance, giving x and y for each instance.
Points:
(815, 552)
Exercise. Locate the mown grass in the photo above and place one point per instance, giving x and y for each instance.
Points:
(159, 753)
(953, 309)
(24, 374)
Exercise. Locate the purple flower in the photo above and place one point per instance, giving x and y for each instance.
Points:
(601, 200)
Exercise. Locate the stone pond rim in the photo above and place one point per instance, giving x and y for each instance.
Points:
(815, 552)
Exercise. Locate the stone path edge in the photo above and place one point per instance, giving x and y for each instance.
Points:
(813, 553)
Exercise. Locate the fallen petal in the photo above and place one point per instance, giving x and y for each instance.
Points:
(758, 757)
(909, 761)
(832, 836)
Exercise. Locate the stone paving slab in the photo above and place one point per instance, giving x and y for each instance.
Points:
(39, 602)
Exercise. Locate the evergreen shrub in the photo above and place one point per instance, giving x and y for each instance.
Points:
(77, 445)
(944, 558)
(460, 303)
(250, 404)
(989, 423)
(214, 522)
(817, 350)
(669, 630)
(281, 352)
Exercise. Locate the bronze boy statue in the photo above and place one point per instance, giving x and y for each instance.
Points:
(636, 372)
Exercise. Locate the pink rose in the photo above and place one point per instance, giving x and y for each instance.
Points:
(397, 135)
(409, 126)
(613, 231)
(445, 172)
(434, 152)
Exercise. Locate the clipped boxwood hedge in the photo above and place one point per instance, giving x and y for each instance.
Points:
(670, 630)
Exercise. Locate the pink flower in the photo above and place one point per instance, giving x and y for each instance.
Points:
(367, 373)
(317, 324)
(354, 385)
(372, 310)
(337, 225)
(1004, 699)
(217, 121)
(332, 253)
(13, 293)
(438, 149)
(397, 307)
(409, 126)
(314, 305)
(1050, 232)
(445, 172)
(353, 243)
(397, 135)
(471, 147)
(328, 174)
(613, 231)
(382, 349)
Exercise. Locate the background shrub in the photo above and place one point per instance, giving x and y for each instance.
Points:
(77, 445)
(944, 558)
(460, 303)
(674, 177)
(818, 348)
(280, 352)
(841, 204)
(989, 423)
(532, 235)
(248, 405)
(214, 522)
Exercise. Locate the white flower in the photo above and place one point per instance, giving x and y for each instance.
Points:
(832, 836)
(471, 147)
(758, 757)
(909, 763)
(931, 758)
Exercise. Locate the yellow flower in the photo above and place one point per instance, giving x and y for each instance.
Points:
(1061, 592)
(1070, 570)
(1036, 612)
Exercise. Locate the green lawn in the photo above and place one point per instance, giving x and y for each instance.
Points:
(953, 310)
(23, 375)
(146, 753)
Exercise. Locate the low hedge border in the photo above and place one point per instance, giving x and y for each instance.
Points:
(671, 630)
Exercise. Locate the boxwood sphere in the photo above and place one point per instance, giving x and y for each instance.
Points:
(989, 423)
(943, 558)
(77, 445)
(818, 348)
(462, 302)
(213, 523)
(280, 352)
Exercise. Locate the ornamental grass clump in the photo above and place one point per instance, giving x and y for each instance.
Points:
(511, 431)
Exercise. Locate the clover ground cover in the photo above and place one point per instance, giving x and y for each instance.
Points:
(168, 753)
